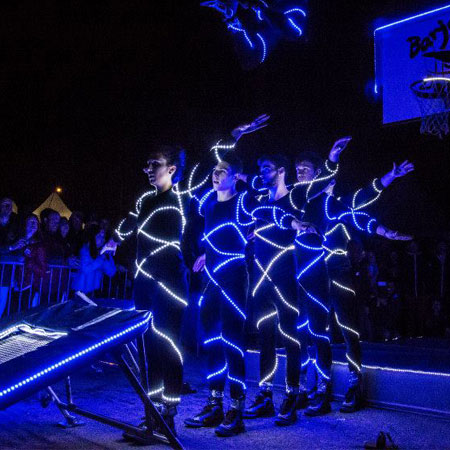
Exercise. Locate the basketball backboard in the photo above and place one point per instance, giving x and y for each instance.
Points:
(408, 51)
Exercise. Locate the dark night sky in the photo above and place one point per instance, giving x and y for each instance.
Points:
(87, 86)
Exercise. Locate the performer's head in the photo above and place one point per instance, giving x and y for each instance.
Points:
(165, 166)
(308, 166)
(226, 173)
(272, 169)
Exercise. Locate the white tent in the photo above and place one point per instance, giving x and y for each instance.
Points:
(55, 202)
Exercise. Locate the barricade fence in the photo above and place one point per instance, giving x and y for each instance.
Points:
(21, 288)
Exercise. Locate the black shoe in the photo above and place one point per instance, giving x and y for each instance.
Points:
(320, 404)
(302, 400)
(210, 416)
(353, 397)
(232, 424)
(262, 406)
(288, 411)
(168, 412)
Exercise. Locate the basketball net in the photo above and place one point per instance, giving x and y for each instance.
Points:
(433, 96)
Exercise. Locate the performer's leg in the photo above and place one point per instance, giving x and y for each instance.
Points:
(211, 414)
(266, 323)
(316, 299)
(344, 299)
(288, 312)
(304, 394)
(144, 292)
(166, 327)
(234, 283)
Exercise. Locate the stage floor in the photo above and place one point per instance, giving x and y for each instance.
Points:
(27, 425)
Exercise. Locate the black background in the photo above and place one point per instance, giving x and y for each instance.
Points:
(86, 87)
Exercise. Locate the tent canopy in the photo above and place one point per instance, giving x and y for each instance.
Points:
(55, 202)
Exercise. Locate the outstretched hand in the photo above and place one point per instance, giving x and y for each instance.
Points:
(338, 148)
(402, 169)
(258, 123)
(392, 235)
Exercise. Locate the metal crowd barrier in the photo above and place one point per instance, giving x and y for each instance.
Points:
(20, 290)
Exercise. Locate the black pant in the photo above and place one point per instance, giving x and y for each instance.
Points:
(276, 303)
(344, 300)
(162, 347)
(314, 302)
(222, 316)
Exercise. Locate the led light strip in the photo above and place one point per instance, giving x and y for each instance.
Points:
(225, 294)
(167, 338)
(219, 372)
(270, 374)
(345, 327)
(225, 341)
(276, 289)
(284, 334)
(76, 355)
(266, 317)
(345, 288)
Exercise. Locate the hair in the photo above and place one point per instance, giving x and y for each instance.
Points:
(278, 160)
(315, 159)
(234, 162)
(89, 239)
(175, 155)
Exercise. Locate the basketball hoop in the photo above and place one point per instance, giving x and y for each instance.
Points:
(433, 95)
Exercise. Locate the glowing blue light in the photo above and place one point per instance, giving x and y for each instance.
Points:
(241, 30)
(314, 299)
(311, 264)
(225, 294)
(264, 48)
(417, 16)
(225, 341)
(319, 336)
(215, 374)
(295, 26)
(237, 381)
(74, 356)
(224, 263)
(321, 371)
(295, 10)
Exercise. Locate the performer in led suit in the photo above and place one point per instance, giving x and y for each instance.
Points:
(228, 217)
(321, 211)
(275, 291)
(161, 278)
(258, 25)
(342, 275)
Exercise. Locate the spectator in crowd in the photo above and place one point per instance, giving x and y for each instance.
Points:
(9, 225)
(95, 261)
(8, 235)
(75, 236)
(54, 248)
(64, 228)
(413, 291)
(63, 234)
(438, 289)
(35, 262)
(386, 314)
(105, 224)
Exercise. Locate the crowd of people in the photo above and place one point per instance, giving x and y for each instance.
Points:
(51, 241)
